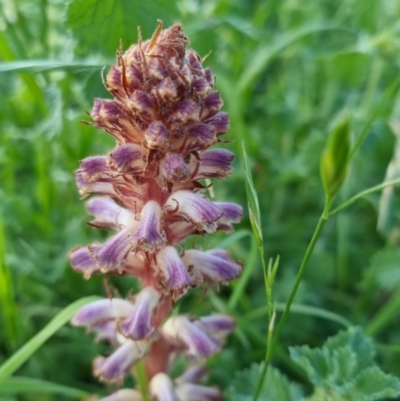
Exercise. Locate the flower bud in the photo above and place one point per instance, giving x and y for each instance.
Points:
(334, 160)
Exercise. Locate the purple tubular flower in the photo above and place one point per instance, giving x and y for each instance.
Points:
(192, 375)
(209, 76)
(95, 168)
(117, 365)
(232, 213)
(195, 208)
(83, 261)
(220, 122)
(186, 111)
(102, 310)
(195, 392)
(105, 331)
(127, 158)
(212, 267)
(142, 104)
(139, 323)
(215, 163)
(217, 324)
(199, 137)
(113, 253)
(181, 331)
(162, 389)
(201, 86)
(124, 395)
(108, 115)
(167, 89)
(174, 169)
(212, 104)
(156, 136)
(220, 253)
(175, 275)
(100, 188)
(108, 214)
(149, 236)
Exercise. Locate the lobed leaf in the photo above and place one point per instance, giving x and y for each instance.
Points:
(344, 369)
(275, 387)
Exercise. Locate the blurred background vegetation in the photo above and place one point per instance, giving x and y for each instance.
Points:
(285, 70)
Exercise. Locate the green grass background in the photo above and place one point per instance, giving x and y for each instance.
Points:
(285, 69)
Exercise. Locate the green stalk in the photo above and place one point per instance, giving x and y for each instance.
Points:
(384, 316)
(300, 274)
(142, 379)
(363, 193)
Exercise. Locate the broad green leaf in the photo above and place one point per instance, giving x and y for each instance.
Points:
(335, 157)
(27, 350)
(20, 385)
(360, 344)
(275, 387)
(373, 384)
(98, 26)
(344, 369)
(340, 358)
(315, 362)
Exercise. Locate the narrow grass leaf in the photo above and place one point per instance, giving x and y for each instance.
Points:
(252, 201)
(264, 55)
(27, 350)
(8, 313)
(21, 385)
(36, 66)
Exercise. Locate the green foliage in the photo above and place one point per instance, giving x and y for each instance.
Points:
(17, 385)
(284, 69)
(276, 387)
(344, 369)
(23, 354)
(99, 26)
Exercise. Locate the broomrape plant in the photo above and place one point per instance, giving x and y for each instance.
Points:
(165, 116)
(285, 71)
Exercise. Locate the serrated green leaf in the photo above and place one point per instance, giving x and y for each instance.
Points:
(275, 387)
(314, 361)
(344, 369)
(373, 384)
(360, 344)
(339, 360)
(98, 26)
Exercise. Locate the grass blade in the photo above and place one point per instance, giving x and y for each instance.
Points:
(27, 350)
(7, 300)
(20, 385)
(33, 66)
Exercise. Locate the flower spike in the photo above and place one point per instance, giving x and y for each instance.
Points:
(149, 192)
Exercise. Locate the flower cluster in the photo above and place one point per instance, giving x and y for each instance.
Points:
(165, 116)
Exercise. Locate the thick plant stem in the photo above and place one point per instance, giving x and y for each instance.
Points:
(299, 277)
